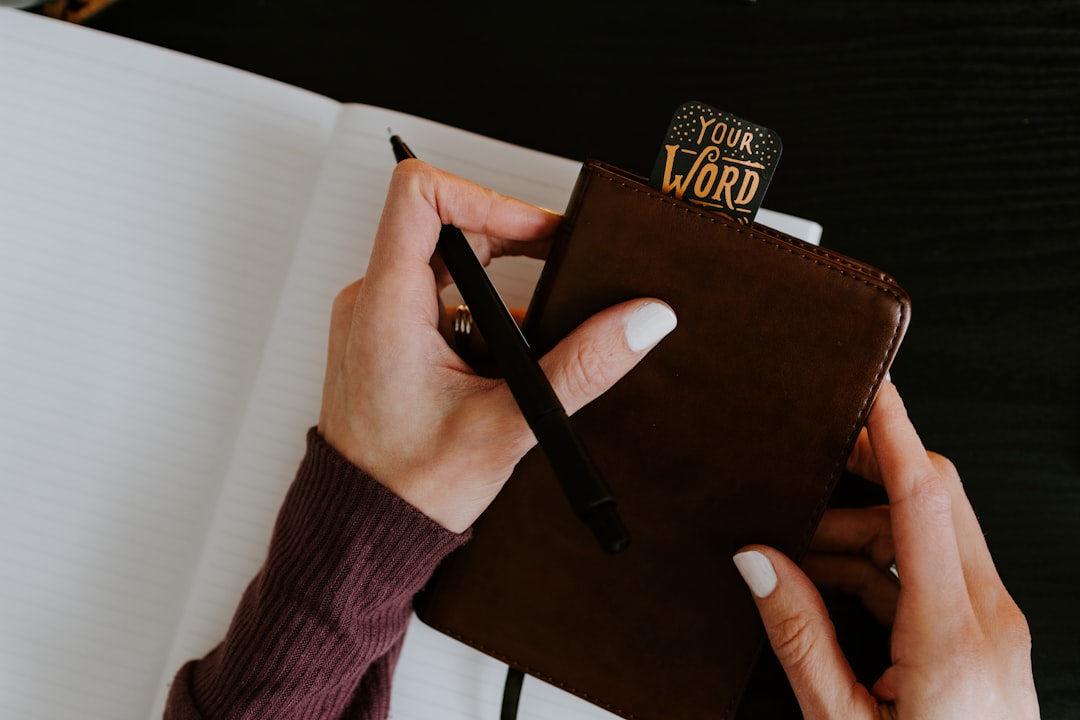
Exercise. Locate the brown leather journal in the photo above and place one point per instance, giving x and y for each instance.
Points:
(733, 430)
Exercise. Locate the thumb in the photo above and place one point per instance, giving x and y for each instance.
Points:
(803, 637)
(605, 347)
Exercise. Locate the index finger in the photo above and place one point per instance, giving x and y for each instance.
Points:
(401, 283)
(422, 198)
(924, 534)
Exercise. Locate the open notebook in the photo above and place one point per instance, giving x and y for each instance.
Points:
(172, 234)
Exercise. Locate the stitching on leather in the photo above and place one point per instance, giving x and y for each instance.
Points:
(810, 255)
(854, 431)
(604, 171)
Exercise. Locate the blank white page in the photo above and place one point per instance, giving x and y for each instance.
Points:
(149, 206)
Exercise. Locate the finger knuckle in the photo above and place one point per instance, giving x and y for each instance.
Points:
(410, 171)
(943, 465)
(931, 498)
(345, 300)
(793, 640)
(1014, 627)
(585, 370)
(861, 459)
(415, 176)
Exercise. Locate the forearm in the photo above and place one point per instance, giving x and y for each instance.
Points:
(319, 629)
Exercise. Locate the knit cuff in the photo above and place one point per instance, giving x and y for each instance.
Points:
(340, 529)
(329, 608)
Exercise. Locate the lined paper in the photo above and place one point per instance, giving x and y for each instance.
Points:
(172, 235)
(149, 206)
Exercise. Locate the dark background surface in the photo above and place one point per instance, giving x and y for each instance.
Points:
(939, 141)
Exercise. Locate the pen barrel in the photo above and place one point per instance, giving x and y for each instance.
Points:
(504, 339)
(580, 477)
(574, 467)
(581, 480)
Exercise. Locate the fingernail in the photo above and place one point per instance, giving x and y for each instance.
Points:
(757, 571)
(647, 325)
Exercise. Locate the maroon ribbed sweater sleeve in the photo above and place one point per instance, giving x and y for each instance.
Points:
(319, 629)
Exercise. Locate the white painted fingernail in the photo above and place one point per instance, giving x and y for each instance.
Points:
(757, 571)
(647, 325)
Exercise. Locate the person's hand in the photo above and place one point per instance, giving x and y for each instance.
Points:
(960, 646)
(400, 404)
(852, 552)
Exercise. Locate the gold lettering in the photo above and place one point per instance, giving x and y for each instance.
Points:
(679, 183)
(719, 140)
(733, 138)
(727, 181)
(749, 187)
(704, 181)
(704, 126)
(747, 138)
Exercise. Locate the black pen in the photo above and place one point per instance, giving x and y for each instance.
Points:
(578, 474)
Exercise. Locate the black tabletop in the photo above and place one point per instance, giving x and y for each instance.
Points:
(939, 141)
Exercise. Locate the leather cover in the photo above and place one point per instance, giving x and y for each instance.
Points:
(733, 430)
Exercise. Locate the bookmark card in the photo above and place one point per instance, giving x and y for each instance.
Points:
(717, 160)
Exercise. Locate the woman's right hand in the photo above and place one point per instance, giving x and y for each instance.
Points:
(400, 404)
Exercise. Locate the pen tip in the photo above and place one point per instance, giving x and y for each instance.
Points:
(401, 150)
